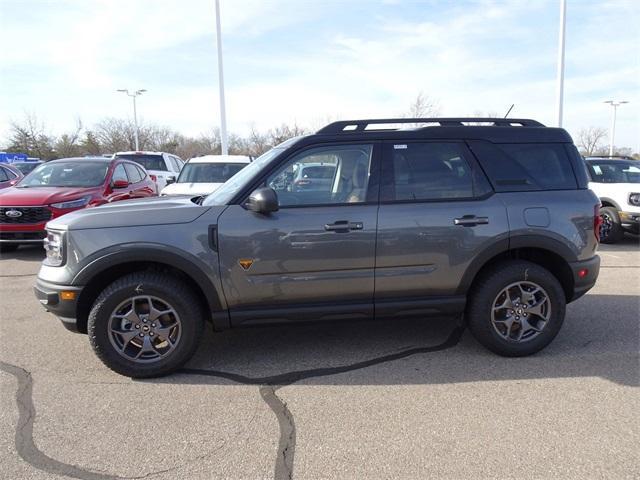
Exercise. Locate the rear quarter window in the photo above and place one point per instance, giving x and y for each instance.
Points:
(517, 167)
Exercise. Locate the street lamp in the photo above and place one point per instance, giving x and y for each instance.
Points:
(135, 113)
(615, 104)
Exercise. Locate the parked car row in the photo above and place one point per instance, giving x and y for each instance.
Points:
(30, 198)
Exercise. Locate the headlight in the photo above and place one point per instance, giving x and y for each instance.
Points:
(77, 203)
(54, 246)
(634, 199)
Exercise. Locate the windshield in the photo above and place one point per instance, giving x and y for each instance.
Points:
(150, 162)
(226, 192)
(614, 171)
(209, 172)
(67, 174)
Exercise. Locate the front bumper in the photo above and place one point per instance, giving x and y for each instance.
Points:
(583, 283)
(630, 220)
(22, 233)
(49, 295)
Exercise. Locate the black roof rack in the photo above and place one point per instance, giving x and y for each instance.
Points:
(610, 157)
(351, 126)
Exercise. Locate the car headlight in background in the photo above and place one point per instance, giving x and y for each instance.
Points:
(77, 203)
(634, 199)
(54, 246)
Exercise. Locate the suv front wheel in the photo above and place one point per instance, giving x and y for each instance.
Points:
(145, 325)
(516, 308)
(610, 228)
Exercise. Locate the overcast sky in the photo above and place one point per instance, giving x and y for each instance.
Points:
(307, 61)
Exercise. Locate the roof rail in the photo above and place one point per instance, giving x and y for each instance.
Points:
(610, 157)
(358, 126)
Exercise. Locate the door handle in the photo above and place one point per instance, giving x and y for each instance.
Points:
(343, 226)
(470, 221)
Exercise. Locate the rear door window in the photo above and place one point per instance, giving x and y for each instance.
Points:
(525, 166)
(429, 171)
(3, 175)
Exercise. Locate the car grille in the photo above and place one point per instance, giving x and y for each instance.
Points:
(28, 215)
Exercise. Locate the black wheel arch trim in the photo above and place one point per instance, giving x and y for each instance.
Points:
(513, 243)
(611, 201)
(156, 253)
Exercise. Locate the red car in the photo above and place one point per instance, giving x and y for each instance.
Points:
(9, 175)
(62, 186)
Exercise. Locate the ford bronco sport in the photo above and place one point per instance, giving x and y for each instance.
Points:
(616, 181)
(487, 218)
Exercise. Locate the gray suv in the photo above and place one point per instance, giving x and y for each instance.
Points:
(490, 219)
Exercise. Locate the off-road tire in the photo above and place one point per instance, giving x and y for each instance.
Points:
(615, 231)
(162, 286)
(484, 293)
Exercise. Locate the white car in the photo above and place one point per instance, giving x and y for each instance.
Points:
(203, 175)
(616, 181)
(163, 168)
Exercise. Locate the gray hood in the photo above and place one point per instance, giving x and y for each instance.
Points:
(130, 213)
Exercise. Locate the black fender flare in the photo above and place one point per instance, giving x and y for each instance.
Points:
(191, 266)
(611, 201)
(513, 243)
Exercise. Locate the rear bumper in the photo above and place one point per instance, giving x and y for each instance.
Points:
(584, 283)
(48, 294)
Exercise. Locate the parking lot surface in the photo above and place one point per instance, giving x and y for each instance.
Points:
(402, 399)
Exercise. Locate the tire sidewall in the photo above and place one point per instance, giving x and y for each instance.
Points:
(98, 329)
(480, 309)
(616, 232)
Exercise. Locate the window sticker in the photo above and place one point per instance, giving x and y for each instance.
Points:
(399, 147)
(597, 169)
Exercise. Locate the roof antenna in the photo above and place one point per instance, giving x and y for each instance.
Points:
(509, 111)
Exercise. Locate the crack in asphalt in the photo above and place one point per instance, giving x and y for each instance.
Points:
(268, 385)
(24, 442)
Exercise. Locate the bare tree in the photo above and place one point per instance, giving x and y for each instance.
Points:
(68, 144)
(284, 132)
(590, 139)
(30, 137)
(423, 107)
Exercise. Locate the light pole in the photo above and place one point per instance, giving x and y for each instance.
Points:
(223, 114)
(135, 113)
(615, 104)
(560, 75)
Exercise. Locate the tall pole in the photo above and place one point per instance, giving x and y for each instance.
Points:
(615, 104)
(223, 114)
(560, 75)
(613, 129)
(135, 122)
(135, 112)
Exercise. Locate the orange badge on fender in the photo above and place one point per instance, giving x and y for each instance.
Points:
(245, 263)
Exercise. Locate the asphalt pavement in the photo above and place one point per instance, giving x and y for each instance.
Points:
(401, 399)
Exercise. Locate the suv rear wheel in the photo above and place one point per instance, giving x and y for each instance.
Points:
(610, 228)
(516, 308)
(145, 325)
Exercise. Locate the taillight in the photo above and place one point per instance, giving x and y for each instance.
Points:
(597, 221)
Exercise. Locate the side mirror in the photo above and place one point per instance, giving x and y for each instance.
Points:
(120, 184)
(263, 200)
(170, 180)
